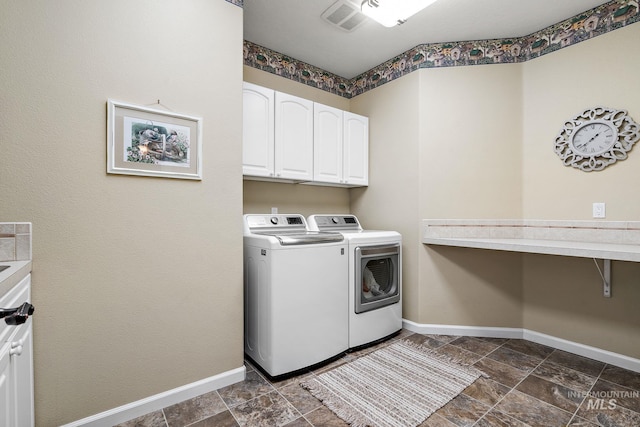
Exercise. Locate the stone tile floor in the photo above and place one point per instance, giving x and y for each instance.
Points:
(529, 385)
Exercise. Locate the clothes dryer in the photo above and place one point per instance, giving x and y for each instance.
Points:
(295, 293)
(375, 277)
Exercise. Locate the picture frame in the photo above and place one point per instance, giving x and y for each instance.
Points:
(149, 142)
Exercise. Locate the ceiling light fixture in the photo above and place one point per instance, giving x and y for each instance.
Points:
(393, 12)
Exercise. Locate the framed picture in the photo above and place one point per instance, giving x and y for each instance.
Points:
(149, 142)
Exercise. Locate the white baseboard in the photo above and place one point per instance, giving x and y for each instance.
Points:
(595, 353)
(605, 356)
(171, 397)
(162, 400)
(471, 331)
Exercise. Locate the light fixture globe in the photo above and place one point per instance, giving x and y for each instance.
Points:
(393, 12)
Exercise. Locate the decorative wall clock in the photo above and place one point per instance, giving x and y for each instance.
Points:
(596, 138)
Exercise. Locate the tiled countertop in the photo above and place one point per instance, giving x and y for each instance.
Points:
(613, 240)
(10, 277)
(15, 251)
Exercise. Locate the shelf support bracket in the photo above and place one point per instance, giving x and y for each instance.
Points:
(606, 277)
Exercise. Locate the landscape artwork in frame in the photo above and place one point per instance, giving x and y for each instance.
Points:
(149, 142)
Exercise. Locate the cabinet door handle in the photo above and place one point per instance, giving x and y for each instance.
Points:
(17, 351)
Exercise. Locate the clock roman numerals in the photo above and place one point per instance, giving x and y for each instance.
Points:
(592, 139)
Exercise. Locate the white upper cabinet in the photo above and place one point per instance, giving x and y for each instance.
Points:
(356, 149)
(257, 130)
(327, 144)
(277, 138)
(293, 138)
(341, 147)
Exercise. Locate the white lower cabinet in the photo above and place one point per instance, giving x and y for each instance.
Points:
(21, 362)
(6, 393)
(16, 363)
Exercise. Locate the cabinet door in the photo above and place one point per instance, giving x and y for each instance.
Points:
(257, 130)
(6, 401)
(327, 144)
(356, 149)
(22, 375)
(293, 138)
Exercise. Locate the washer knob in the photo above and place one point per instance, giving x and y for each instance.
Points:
(274, 220)
(335, 220)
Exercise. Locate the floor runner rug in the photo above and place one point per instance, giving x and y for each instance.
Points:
(400, 385)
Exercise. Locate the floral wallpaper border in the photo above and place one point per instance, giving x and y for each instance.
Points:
(600, 20)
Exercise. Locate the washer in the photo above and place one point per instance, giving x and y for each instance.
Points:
(295, 293)
(375, 277)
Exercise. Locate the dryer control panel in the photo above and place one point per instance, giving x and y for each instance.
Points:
(334, 223)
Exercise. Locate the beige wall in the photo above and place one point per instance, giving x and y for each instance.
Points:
(563, 296)
(116, 257)
(484, 137)
(390, 201)
(477, 142)
(444, 143)
(470, 167)
(470, 142)
(260, 197)
(602, 71)
(136, 281)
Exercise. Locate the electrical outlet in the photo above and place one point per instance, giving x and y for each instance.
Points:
(599, 210)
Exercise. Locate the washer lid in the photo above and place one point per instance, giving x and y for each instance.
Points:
(305, 238)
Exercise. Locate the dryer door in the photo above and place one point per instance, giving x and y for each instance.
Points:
(377, 277)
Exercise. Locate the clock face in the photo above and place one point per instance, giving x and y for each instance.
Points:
(593, 138)
(596, 138)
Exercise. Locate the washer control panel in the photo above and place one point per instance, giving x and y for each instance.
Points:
(264, 222)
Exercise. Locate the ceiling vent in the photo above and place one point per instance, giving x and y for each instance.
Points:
(344, 15)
